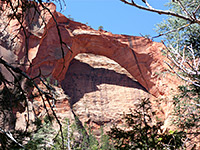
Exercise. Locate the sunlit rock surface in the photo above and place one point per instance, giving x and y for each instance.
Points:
(98, 89)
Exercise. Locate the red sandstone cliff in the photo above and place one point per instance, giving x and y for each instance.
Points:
(41, 49)
(141, 57)
(97, 98)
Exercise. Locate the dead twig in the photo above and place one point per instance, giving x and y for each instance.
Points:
(182, 65)
(147, 4)
(10, 136)
(41, 93)
(188, 18)
(187, 80)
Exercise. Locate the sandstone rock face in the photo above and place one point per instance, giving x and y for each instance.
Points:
(100, 89)
(141, 57)
(101, 75)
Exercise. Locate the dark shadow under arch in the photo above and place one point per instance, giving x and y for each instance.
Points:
(81, 78)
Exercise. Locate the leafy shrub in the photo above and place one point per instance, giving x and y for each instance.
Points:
(42, 137)
(78, 139)
(187, 108)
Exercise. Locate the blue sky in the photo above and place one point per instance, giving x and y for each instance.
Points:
(115, 16)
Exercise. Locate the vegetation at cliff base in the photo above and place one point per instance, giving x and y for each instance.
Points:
(143, 131)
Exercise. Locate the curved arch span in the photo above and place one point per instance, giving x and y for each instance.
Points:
(140, 56)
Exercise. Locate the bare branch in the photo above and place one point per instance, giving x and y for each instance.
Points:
(21, 25)
(191, 20)
(193, 57)
(194, 83)
(174, 30)
(196, 9)
(180, 65)
(23, 28)
(180, 62)
(195, 104)
(184, 9)
(147, 4)
(23, 93)
(10, 136)
(59, 34)
(41, 92)
(57, 26)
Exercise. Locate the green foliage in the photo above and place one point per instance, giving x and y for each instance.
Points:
(100, 28)
(105, 143)
(186, 36)
(70, 18)
(77, 139)
(186, 42)
(42, 137)
(187, 108)
(142, 133)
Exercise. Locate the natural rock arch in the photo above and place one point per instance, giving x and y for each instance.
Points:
(140, 56)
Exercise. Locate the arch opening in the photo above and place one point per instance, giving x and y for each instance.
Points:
(98, 78)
